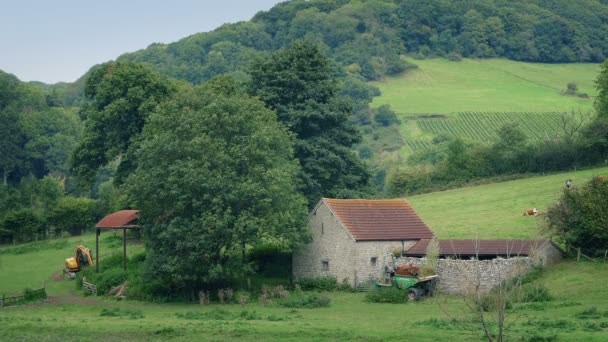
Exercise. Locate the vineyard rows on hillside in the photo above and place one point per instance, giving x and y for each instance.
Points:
(484, 126)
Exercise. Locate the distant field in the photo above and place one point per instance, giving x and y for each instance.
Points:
(473, 98)
(494, 211)
(486, 85)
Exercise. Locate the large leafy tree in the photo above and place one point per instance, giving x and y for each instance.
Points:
(122, 96)
(580, 217)
(215, 174)
(297, 83)
(601, 83)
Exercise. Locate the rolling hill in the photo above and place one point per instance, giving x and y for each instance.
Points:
(472, 98)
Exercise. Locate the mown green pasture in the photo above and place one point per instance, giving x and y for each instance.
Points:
(488, 85)
(495, 211)
(578, 311)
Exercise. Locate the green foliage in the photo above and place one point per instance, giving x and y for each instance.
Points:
(591, 313)
(579, 216)
(30, 295)
(318, 284)
(117, 312)
(229, 179)
(21, 225)
(385, 116)
(74, 215)
(306, 300)
(297, 82)
(390, 295)
(122, 97)
(601, 84)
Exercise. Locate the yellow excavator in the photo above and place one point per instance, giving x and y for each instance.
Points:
(82, 258)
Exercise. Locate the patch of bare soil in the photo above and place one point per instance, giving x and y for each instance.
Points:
(57, 276)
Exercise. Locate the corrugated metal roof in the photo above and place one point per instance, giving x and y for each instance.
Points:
(118, 219)
(379, 219)
(457, 248)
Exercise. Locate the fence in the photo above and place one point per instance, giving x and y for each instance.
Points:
(579, 254)
(88, 287)
(27, 296)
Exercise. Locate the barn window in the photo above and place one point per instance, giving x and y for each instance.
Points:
(373, 261)
(325, 265)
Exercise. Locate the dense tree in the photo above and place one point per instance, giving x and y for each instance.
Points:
(215, 173)
(580, 216)
(601, 83)
(297, 82)
(122, 97)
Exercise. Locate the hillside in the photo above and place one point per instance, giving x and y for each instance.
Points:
(574, 288)
(473, 98)
(494, 211)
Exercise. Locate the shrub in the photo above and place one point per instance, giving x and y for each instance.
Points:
(385, 116)
(22, 225)
(391, 295)
(320, 284)
(536, 294)
(34, 295)
(117, 312)
(305, 300)
(454, 57)
(74, 215)
(432, 256)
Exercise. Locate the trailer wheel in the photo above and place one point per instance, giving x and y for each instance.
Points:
(413, 293)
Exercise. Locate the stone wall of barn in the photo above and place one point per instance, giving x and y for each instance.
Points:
(331, 252)
(459, 277)
(370, 257)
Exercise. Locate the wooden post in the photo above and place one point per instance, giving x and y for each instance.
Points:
(578, 255)
(97, 250)
(124, 242)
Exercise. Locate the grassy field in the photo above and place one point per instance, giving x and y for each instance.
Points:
(473, 98)
(488, 211)
(488, 85)
(494, 210)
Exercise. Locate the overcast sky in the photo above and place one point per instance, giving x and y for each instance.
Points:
(53, 41)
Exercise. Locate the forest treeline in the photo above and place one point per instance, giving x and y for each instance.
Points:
(368, 37)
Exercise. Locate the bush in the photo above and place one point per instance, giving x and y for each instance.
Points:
(391, 295)
(454, 57)
(536, 294)
(305, 300)
(22, 225)
(576, 217)
(74, 215)
(385, 116)
(319, 284)
(34, 295)
(116, 312)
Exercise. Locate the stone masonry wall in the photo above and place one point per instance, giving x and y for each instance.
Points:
(366, 250)
(346, 258)
(331, 244)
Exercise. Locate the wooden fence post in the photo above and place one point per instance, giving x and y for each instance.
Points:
(578, 255)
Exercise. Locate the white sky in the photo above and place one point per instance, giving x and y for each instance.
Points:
(53, 41)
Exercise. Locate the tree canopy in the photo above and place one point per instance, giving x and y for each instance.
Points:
(122, 96)
(215, 173)
(297, 82)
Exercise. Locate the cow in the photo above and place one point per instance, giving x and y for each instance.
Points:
(599, 178)
(569, 184)
(531, 212)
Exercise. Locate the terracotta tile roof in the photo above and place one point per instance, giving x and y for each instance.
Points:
(118, 219)
(379, 219)
(458, 248)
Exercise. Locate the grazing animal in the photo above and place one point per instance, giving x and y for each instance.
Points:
(531, 212)
(600, 178)
(569, 184)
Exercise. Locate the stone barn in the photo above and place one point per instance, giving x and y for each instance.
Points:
(351, 236)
